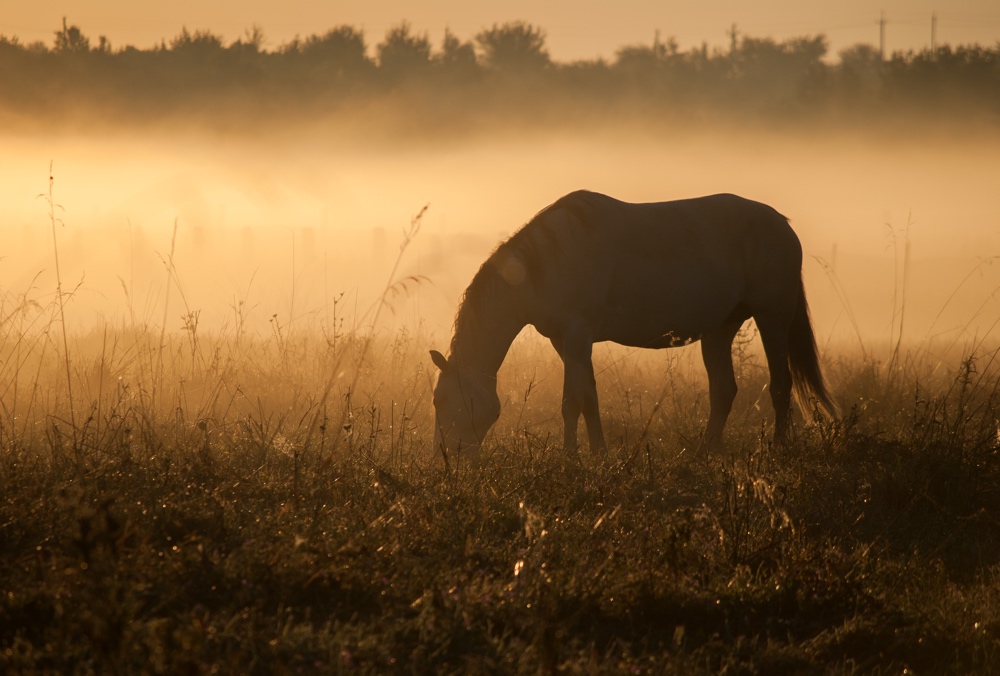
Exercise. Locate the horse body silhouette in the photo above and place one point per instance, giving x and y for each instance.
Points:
(590, 268)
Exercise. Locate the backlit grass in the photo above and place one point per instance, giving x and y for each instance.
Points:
(272, 503)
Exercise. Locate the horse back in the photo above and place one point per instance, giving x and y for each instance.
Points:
(639, 270)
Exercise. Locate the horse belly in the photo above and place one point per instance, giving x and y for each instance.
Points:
(652, 331)
(668, 314)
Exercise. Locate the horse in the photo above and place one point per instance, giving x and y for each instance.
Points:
(590, 268)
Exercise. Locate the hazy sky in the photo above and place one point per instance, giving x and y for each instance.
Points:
(575, 28)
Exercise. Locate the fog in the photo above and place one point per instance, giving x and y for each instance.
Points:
(287, 222)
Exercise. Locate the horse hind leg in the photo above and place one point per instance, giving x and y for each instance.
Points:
(774, 333)
(717, 353)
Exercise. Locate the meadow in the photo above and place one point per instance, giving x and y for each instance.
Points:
(215, 408)
(269, 501)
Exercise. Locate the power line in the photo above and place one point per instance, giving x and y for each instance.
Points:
(733, 36)
(881, 36)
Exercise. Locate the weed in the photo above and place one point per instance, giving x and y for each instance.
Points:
(236, 502)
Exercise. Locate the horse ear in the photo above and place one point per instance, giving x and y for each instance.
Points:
(439, 360)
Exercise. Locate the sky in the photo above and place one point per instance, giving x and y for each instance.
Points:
(576, 29)
(297, 192)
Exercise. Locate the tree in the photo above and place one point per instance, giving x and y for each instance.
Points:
(860, 71)
(455, 53)
(402, 52)
(860, 57)
(644, 59)
(342, 48)
(763, 57)
(199, 43)
(514, 47)
(70, 40)
(777, 73)
(252, 41)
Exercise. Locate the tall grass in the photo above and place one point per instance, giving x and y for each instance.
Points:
(222, 530)
(60, 299)
(271, 502)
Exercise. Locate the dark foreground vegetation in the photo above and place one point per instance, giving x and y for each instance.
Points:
(502, 76)
(173, 501)
(262, 504)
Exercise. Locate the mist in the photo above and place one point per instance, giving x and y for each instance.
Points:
(222, 268)
(285, 224)
(231, 184)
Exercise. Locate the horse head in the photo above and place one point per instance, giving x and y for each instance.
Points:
(466, 406)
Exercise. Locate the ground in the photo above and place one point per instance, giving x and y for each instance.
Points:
(232, 508)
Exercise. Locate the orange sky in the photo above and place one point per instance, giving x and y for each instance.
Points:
(575, 28)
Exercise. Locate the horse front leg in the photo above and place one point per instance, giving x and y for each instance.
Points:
(570, 406)
(571, 415)
(580, 396)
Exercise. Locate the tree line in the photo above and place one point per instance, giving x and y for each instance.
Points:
(503, 72)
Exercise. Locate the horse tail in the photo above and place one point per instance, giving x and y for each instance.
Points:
(803, 361)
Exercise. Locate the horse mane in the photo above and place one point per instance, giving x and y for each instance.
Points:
(488, 287)
(478, 294)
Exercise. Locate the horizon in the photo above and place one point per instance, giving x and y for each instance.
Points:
(150, 142)
(570, 35)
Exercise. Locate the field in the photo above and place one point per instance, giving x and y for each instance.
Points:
(260, 502)
(216, 428)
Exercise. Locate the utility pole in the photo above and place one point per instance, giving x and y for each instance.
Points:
(733, 33)
(881, 36)
(933, 32)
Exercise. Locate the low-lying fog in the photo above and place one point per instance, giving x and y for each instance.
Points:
(288, 224)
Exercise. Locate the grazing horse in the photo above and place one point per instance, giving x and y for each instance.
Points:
(590, 268)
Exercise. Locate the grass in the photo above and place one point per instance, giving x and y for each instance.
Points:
(261, 503)
(215, 529)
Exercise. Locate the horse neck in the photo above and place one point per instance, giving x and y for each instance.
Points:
(484, 335)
